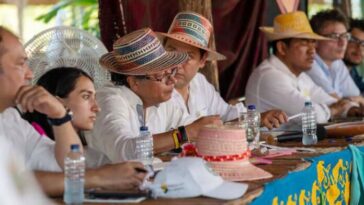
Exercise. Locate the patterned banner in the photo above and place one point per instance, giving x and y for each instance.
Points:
(326, 181)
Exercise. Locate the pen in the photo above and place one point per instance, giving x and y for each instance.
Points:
(294, 116)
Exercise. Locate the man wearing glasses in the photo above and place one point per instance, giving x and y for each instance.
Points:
(355, 51)
(328, 69)
(143, 75)
(281, 81)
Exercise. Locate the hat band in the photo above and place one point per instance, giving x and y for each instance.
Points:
(144, 60)
(190, 32)
(137, 45)
(226, 158)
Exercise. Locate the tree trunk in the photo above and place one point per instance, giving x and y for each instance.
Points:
(204, 7)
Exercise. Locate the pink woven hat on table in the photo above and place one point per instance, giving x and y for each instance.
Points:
(193, 29)
(226, 150)
(140, 53)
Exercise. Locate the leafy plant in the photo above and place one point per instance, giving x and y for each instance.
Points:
(82, 14)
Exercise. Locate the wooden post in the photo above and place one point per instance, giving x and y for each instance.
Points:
(204, 7)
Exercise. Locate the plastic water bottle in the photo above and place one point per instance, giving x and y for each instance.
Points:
(309, 124)
(253, 126)
(74, 172)
(144, 146)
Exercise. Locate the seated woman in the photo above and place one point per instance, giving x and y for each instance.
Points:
(74, 88)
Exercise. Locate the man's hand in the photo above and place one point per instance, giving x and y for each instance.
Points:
(357, 99)
(32, 98)
(193, 128)
(273, 118)
(356, 112)
(118, 177)
(337, 109)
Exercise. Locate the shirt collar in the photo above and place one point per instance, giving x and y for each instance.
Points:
(322, 65)
(132, 97)
(279, 65)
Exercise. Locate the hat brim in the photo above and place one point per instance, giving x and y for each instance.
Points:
(240, 170)
(165, 61)
(273, 36)
(228, 191)
(211, 54)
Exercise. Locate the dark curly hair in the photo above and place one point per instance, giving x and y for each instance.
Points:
(356, 23)
(319, 20)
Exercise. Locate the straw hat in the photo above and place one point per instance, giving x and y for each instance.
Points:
(193, 29)
(226, 150)
(291, 25)
(140, 53)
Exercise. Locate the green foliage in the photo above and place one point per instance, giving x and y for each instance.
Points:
(82, 14)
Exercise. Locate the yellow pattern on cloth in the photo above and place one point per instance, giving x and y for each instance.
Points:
(332, 187)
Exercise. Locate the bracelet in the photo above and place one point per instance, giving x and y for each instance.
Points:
(176, 140)
(182, 131)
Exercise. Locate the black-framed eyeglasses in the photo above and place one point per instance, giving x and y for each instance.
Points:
(338, 36)
(164, 78)
(357, 41)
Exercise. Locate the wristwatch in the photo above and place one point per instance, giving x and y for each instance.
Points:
(60, 121)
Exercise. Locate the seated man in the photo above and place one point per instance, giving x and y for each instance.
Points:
(14, 77)
(196, 96)
(40, 153)
(145, 72)
(18, 185)
(280, 81)
(355, 51)
(328, 70)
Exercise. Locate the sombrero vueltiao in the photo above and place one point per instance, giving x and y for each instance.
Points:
(193, 29)
(291, 25)
(140, 53)
(226, 151)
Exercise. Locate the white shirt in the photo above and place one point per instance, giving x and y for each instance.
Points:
(18, 185)
(95, 158)
(335, 79)
(117, 124)
(37, 150)
(273, 86)
(204, 100)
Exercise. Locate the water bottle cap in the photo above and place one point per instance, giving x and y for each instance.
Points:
(143, 128)
(75, 147)
(308, 103)
(251, 107)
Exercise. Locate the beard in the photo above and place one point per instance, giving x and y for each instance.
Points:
(350, 63)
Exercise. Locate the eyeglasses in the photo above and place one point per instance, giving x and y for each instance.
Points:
(357, 41)
(337, 36)
(163, 78)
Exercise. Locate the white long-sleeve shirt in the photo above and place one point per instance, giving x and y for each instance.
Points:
(18, 185)
(37, 150)
(335, 79)
(204, 100)
(273, 85)
(117, 124)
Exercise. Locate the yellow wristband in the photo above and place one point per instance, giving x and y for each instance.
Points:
(175, 139)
